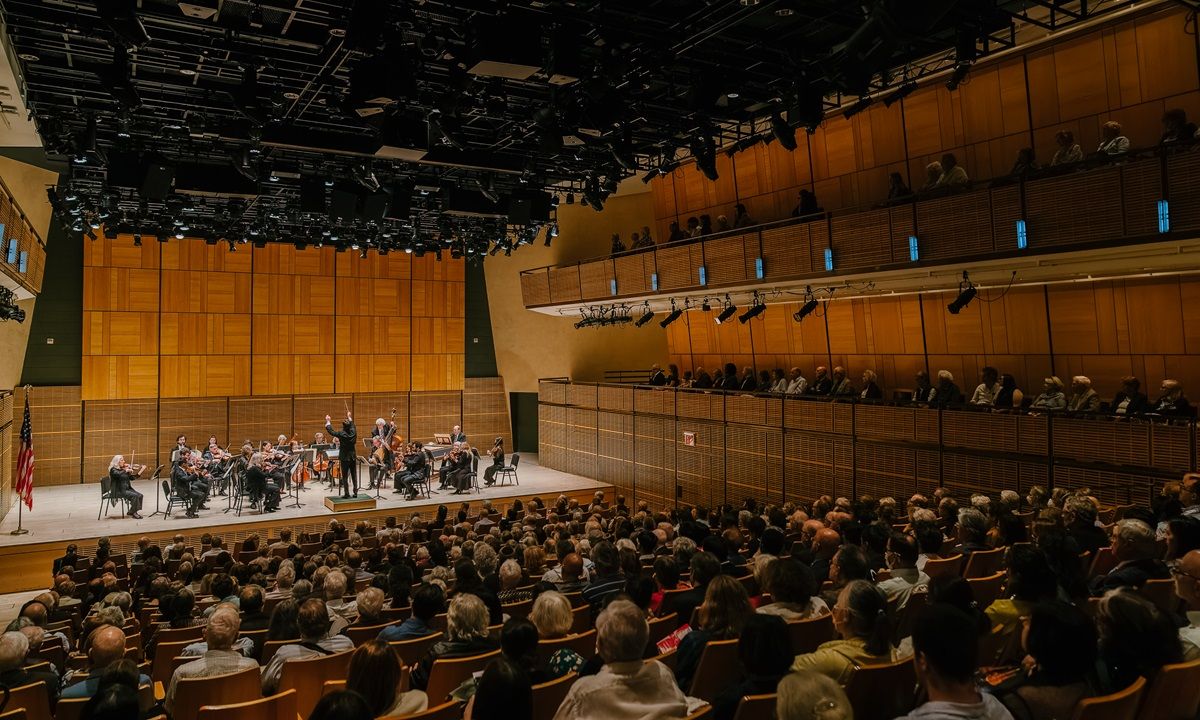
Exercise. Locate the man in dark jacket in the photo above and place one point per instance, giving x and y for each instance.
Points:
(347, 440)
(1136, 552)
(705, 566)
(1079, 517)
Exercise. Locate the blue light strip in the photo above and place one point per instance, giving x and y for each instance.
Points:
(703, 276)
(828, 259)
(914, 251)
(12, 250)
(654, 282)
(1022, 235)
(612, 286)
(1164, 217)
(758, 268)
(24, 264)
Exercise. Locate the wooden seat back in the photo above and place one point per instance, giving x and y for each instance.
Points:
(1122, 705)
(193, 693)
(583, 643)
(1173, 694)
(548, 696)
(807, 635)
(718, 668)
(448, 673)
(756, 707)
(307, 675)
(280, 706)
(937, 567)
(451, 710)
(413, 650)
(986, 590)
(983, 563)
(883, 692)
(34, 698)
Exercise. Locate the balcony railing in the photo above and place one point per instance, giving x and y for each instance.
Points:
(1138, 199)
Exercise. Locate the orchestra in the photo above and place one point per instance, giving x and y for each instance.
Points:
(263, 473)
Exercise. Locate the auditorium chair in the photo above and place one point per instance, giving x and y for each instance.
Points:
(1102, 563)
(581, 618)
(1121, 705)
(907, 616)
(450, 710)
(1174, 693)
(756, 707)
(1162, 594)
(164, 657)
(807, 635)
(413, 650)
(448, 673)
(701, 713)
(583, 643)
(438, 622)
(937, 567)
(518, 609)
(280, 706)
(332, 686)
(107, 500)
(271, 647)
(662, 627)
(306, 676)
(191, 634)
(360, 634)
(32, 698)
(982, 563)
(238, 687)
(72, 709)
(509, 471)
(575, 598)
(667, 658)
(883, 692)
(718, 668)
(392, 614)
(17, 714)
(986, 590)
(52, 652)
(548, 696)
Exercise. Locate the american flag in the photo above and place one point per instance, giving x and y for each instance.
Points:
(24, 486)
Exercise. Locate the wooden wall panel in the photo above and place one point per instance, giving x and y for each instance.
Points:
(112, 427)
(56, 414)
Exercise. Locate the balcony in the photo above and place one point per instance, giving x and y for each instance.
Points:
(1145, 198)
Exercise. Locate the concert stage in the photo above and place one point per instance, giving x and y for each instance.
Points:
(67, 513)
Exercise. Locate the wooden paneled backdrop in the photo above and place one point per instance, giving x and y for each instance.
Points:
(75, 438)
(1130, 72)
(184, 319)
(1104, 329)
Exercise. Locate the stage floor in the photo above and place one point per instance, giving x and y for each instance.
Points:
(68, 512)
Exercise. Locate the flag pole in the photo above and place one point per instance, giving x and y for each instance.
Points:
(21, 501)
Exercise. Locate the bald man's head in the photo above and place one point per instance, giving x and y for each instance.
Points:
(1187, 579)
(108, 646)
(826, 543)
(37, 612)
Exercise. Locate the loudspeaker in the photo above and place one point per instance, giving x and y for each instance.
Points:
(157, 180)
(312, 195)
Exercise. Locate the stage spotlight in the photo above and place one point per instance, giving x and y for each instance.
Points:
(783, 132)
(671, 317)
(958, 76)
(706, 306)
(906, 88)
(752, 313)
(810, 304)
(727, 312)
(966, 293)
(647, 317)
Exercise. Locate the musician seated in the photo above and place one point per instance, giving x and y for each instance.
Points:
(460, 474)
(379, 462)
(121, 475)
(413, 471)
(447, 466)
(262, 487)
(189, 486)
(497, 453)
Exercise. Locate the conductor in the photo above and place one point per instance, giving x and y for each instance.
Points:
(346, 457)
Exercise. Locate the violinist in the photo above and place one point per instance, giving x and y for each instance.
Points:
(189, 486)
(347, 438)
(121, 475)
(181, 448)
(263, 487)
(448, 464)
(497, 453)
(412, 472)
(460, 473)
(274, 463)
(216, 458)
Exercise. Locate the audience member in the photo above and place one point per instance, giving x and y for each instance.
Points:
(1083, 398)
(953, 175)
(793, 591)
(314, 624)
(1187, 587)
(1176, 128)
(1052, 397)
(1068, 150)
(1136, 551)
(1112, 142)
(1136, 638)
(764, 657)
(375, 672)
(219, 658)
(341, 705)
(466, 634)
(722, 616)
(1060, 644)
(860, 618)
(808, 695)
(1130, 400)
(944, 651)
(906, 579)
(552, 617)
(946, 393)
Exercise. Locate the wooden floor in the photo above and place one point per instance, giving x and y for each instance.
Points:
(67, 513)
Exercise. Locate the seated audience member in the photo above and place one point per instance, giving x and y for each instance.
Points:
(219, 658)
(897, 190)
(765, 382)
(704, 567)
(1171, 401)
(341, 612)
(793, 591)
(666, 578)
(1083, 398)
(552, 616)
(808, 695)
(617, 247)
(779, 381)
(741, 218)
(1189, 495)
(825, 545)
(374, 672)
(1052, 397)
(933, 173)
(764, 656)
(1025, 163)
(722, 616)
(1136, 638)
(427, 602)
(821, 384)
(1061, 646)
(988, 388)
(608, 579)
(1112, 142)
(314, 624)
(510, 576)
(972, 531)
(730, 379)
(341, 705)
(1067, 151)
(860, 618)
(1176, 128)
(929, 539)
(1129, 400)
(841, 387)
(945, 393)
(848, 565)
(1079, 520)
(1009, 396)
(625, 687)
(466, 635)
(871, 389)
(902, 558)
(503, 692)
(116, 698)
(370, 607)
(807, 204)
(1030, 581)
(1182, 535)
(1187, 587)
(106, 647)
(797, 385)
(953, 175)
(1136, 551)
(944, 651)
(14, 651)
(748, 381)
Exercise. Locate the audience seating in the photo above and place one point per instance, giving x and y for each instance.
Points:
(451, 710)
(583, 643)
(701, 713)
(17, 714)
(413, 650)
(667, 658)
(718, 668)
(756, 707)
(360, 634)
(332, 686)
(1162, 594)
(662, 627)
(238, 687)
(306, 675)
(907, 616)
(937, 567)
(582, 618)
(549, 695)
(33, 698)
(270, 647)
(807, 635)
(280, 706)
(986, 590)
(982, 563)
(1121, 705)
(883, 692)
(1174, 693)
(449, 673)
(518, 609)
(1103, 562)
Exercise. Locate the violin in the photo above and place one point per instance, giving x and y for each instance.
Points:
(132, 468)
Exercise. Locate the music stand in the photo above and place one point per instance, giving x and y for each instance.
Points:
(306, 455)
(157, 492)
(294, 493)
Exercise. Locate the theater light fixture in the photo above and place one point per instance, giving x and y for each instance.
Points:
(727, 312)
(966, 293)
(671, 316)
(810, 304)
(647, 317)
(757, 306)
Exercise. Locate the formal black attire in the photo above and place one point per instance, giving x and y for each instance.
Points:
(822, 386)
(189, 487)
(749, 384)
(872, 391)
(122, 487)
(658, 378)
(459, 437)
(262, 488)
(412, 472)
(460, 474)
(1178, 407)
(489, 473)
(921, 393)
(347, 439)
(947, 394)
(1138, 403)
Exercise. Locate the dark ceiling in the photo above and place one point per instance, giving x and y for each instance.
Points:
(430, 124)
